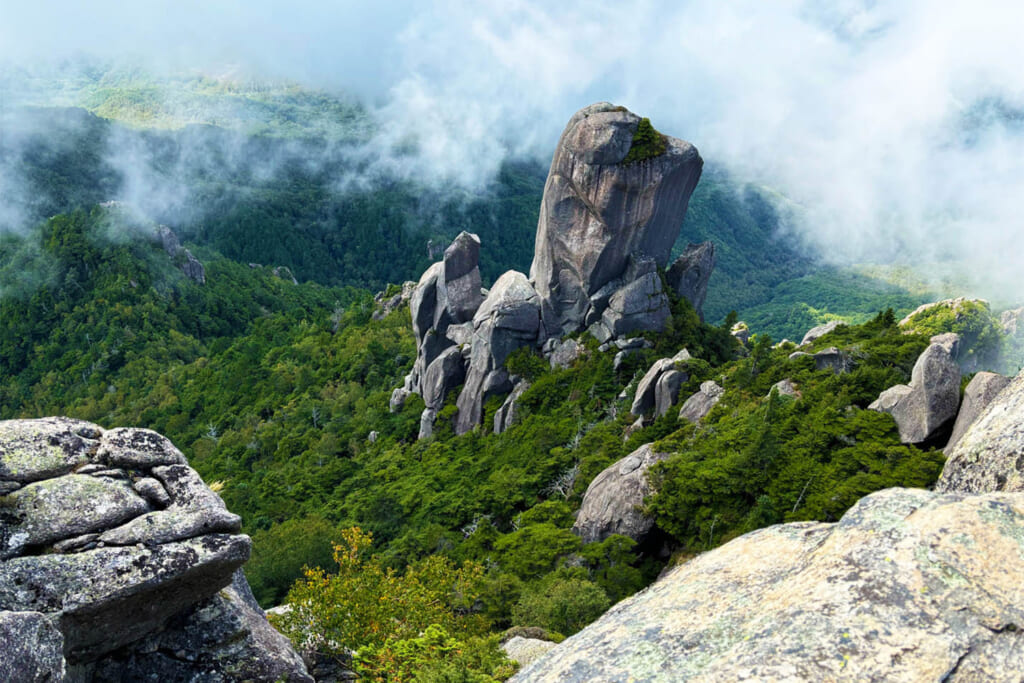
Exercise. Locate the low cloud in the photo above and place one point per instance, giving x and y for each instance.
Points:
(895, 127)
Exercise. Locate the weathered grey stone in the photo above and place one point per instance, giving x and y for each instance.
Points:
(108, 597)
(523, 651)
(31, 648)
(182, 257)
(427, 418)
(509, 318)
(989, 456)
(460, 334)
(833, 359)
(508, 413)
(373, 436)
(152, 491)
(165, 526)
(598, 212)
(187, 489)
(798, 354)
(908, 586)
(666, 390)
(700, 404)
(224, 638)
(446, 373)
(462, 277)
(8, 487)
(70, 545)
(633, 343)
(137, 449)
(610, 505)
(741, 331)
(979, 392)
(1012, 321)
(644, 398)
(48, 447)
(47, 511)
(564, 353)
(925, 409)
(398, 398)
(621, 357)
(816, 333)
(638, 305)
(785, 387)
(954, 304)
(689, 274)
(949, 341)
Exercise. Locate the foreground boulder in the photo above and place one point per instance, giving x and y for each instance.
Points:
(978, 394)
(700, 404)
(111, 536)
(601, 210)
(988, 455)
(907, 586)
(925, 409)
(612, 502)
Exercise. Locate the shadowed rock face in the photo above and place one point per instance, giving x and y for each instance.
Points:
(598, 212)
(689, 274)
(990, 454)
(908, 586)
(980, 392)
(112, 537)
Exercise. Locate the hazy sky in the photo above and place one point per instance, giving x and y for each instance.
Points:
(893, 124)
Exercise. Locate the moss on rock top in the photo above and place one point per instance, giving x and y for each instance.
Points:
(647, 143)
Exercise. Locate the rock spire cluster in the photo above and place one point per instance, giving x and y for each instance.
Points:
(612, 210)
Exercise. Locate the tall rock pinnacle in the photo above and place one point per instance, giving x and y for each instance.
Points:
(605, 210)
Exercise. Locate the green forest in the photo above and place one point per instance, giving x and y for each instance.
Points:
(272, 389)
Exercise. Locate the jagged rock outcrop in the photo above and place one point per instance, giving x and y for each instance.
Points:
(741, 331)
(689, 274)
(700, 404)
(446, 297)
(613, 205)
(925, 409)
(508, 413)
(395, 301)
(182, 257)
(508, 319)
(611, 502)
(988, 457)
(820, 331)
(646, 391)
(599, 213)
(115, 539)
(908, 586)
(978, 393)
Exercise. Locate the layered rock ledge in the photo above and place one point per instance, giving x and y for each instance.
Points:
(112, 538)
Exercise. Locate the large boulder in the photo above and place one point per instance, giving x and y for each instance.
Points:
(645, 398)
(689, 274)
(666, 391)
(700, 404)
(612, 501)
(509, 318)
(508, 413)
(600, 211)
(113, 537)
(990, 454)
(907, 586)
(925, 409)
(978, 393)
